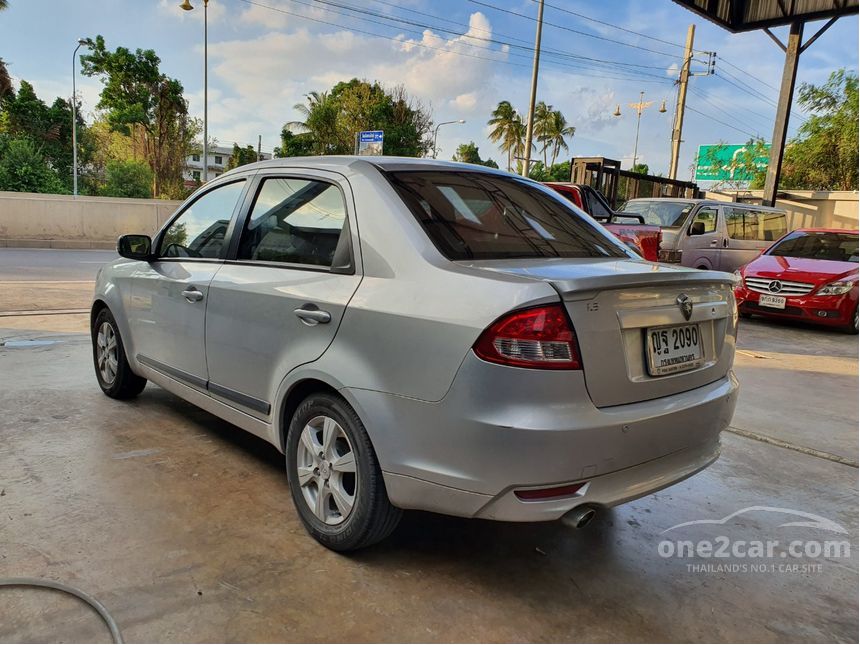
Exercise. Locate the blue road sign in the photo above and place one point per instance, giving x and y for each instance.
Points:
(370, 136)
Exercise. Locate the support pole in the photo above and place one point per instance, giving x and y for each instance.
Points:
(682, 101)
(205, 91)
(533, 98)
(783, 111)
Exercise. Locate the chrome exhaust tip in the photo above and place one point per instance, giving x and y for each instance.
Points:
(579, 517)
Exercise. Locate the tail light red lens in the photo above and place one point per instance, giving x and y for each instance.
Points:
(539, 337)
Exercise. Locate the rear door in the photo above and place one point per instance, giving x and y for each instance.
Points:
(168, 303)
(702, 251)
(280, 296)
(748, 231)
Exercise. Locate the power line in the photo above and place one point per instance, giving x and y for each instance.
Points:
(746, 73)
(753, 93)
(724, 107)
(728, 125)
(572, 30)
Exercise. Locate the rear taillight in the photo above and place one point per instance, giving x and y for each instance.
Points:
(539, 337)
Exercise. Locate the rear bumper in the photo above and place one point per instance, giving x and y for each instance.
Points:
(822, 310)
(466, 454)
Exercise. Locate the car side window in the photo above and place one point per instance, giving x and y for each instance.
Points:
(749, 224)
(708, 216)
(201, 229)
(295, 221)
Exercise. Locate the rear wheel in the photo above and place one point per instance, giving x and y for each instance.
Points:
(334, 476)
(851, 327)
(112, 369)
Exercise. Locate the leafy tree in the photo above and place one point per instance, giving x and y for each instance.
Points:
(294, 145)
(468, 153)
(23, 168)
(542, 118)
(127, 179)
(640, 168)
(508, 130)
(824, 154)
(5, 80)
(332, 119)
(141, 102)
(555, 132)
(23, 115)
(241, 156)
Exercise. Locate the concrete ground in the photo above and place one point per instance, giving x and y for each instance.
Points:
(182, 525)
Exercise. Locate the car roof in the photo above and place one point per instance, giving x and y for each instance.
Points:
(826, 230)
(341, 163)
(710, 202)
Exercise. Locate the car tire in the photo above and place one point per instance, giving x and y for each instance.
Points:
(114, 374)
(851, 327)
(326, 436)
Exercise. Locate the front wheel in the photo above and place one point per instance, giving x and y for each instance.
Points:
(112, 369)
(851, 327)
(334, 477)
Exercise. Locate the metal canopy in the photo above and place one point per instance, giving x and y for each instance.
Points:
(747, 15)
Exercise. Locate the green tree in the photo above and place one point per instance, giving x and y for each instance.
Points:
(745, 170)
(141, 102)
(5, 80)
(555, 132)
(241, 156)
(543, 118)
(640, 168)
(127, 179)
(824, 154)
(508, 130)
(468, 153)
(332, 119)
(23, 168)
(294, 145)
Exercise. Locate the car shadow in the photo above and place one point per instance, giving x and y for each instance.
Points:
(794, 337)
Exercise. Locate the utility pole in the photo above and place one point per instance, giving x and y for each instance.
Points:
(783, 110)
(259, 147)
(530, 124)
(682, 100)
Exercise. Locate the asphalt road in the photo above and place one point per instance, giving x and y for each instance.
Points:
(183, 524)
(51, 264)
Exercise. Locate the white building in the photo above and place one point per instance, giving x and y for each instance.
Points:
(218, 158)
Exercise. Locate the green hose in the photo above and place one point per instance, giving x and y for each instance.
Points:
(59, 586)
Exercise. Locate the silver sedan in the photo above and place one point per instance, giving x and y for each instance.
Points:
(415, 334)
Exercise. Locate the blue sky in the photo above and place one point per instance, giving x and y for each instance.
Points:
(262, 61)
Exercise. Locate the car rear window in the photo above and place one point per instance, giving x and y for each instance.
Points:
(818, 245)
(474, 215)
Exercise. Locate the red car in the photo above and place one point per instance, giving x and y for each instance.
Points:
(809, 274)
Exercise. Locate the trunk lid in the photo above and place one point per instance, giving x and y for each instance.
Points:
(613, 302)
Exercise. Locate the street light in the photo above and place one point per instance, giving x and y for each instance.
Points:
(639, 107)
(187, 6)
(81, 41)
(436, 133)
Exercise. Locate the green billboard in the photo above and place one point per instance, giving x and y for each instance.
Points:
(724, 162)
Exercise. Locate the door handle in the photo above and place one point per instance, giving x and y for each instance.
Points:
(312, 315)
(192, 294)
(713, 242)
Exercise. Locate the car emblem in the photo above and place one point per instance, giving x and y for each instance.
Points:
(685, 304)
(775, 286)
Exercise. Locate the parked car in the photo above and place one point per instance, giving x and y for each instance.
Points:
(810, 274)
(415, 334)
(642, 238)
(708, 234)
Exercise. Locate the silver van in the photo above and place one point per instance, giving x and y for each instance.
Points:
(709, 234)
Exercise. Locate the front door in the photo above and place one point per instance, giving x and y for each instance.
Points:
(702, 251)
(168, 294)
(278, 300)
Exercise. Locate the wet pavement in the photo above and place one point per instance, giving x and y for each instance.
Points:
(183, 526)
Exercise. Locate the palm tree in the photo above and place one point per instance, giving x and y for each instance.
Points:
(319, 121)
(5, 79)
(3, 4)
(508, 130)
(543, 126)
(556, 133)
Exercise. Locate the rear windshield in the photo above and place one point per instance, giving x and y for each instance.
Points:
(660, 212)
(814, 245)
(474, 215)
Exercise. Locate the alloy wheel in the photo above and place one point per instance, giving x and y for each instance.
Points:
(326, 470)
(106, 354)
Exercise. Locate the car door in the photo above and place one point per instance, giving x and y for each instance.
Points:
(279, 298)
(701, 239)
(168, 294)
(748, 231)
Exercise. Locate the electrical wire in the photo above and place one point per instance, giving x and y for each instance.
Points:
(74, 591)
(716, 120)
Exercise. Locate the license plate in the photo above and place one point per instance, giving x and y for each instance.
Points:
(777, 302)
(673, 349)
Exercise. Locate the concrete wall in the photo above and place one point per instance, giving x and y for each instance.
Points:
(62, 221)
(806, 208)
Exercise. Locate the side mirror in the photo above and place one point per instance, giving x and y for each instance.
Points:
(697, 228)
(134, 247)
